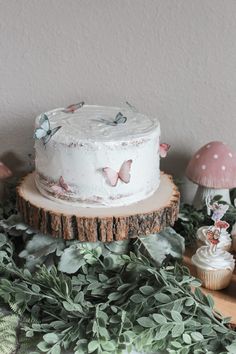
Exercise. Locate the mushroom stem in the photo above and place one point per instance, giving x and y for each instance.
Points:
(203, 192)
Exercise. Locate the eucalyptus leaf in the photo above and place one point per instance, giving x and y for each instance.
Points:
(158, 246)
(71, 260)
(146, 322)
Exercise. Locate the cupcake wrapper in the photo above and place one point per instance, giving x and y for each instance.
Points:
(215, 279)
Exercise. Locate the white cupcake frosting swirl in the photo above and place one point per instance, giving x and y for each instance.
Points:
(207, 259)
(225, 238)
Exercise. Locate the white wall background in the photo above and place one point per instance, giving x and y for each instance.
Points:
(174, 59)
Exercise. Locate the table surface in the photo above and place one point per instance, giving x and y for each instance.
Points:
(225, 300)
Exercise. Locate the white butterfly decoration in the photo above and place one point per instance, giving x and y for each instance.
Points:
(123, 174)
(163, 149)
(44, 132)
(61, 187)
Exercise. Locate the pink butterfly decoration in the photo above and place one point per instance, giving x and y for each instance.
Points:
(63, 184)
(61, 187)
(123, 174)
(163, 149)
(73, 107)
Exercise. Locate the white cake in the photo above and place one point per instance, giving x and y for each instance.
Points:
(92, 161)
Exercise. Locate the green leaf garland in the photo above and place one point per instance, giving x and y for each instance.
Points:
(68, 297)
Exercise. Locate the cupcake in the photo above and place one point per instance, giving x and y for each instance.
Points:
(214, 267)
(225, 241)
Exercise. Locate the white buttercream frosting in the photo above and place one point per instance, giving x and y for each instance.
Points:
(206, 258)
(225, 239)
(85, 145)
(88, 124)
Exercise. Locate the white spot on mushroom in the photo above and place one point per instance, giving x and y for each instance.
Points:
(208, 146)
(197, 156)
(203, 167)
(215, 156)
(230, 154)
(223, 167)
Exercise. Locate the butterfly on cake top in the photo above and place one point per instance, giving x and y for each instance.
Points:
(44, 131)
(97, 154)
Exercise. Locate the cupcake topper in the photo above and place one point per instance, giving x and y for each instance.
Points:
(218, 210)
(214, 232)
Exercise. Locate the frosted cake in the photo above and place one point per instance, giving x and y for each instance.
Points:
(97, 155)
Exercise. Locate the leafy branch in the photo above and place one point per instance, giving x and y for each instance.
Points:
(103, 298)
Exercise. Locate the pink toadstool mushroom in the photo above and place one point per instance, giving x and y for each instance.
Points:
(213, 168)
(5, 172)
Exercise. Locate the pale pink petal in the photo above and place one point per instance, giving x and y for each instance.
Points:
(163, 149)
(57, 189)
(111, 176)
(63, 184)
(124, 173)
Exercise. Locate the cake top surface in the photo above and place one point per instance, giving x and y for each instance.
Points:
(99, 123)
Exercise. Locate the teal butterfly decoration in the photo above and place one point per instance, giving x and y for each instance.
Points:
(119, 119)
(44, 132)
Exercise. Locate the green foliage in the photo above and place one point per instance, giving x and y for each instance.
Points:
(104, 298)
(159, 246)
(8, 332)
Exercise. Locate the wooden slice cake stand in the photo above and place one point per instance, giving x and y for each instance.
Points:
(98, 224)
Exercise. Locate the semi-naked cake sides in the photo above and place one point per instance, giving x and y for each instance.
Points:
(97, 156)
